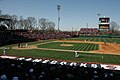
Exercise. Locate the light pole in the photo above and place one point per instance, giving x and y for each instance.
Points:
(0, 11)
(98, 21)
(98, 14)
(58, 8)
(98, 17)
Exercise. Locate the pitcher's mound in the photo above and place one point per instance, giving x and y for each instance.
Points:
(66, 45)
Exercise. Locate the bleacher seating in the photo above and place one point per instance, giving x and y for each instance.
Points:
(88, 31)
(15, 36)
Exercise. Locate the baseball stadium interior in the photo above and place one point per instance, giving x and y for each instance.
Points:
(14, 32)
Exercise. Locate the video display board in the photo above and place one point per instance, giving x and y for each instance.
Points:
(104, 26)
(104, 20)
(104, 23)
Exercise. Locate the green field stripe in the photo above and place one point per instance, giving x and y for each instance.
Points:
(88, 39)
(84, 47)
(74, 47)
(109, 40)
(99, 39)
(91, 47)
(114, 40)
(85, 38)
(88, 48)
(96, 47)
(95, 39)
(81, 46)
(92, 39)
(78, 46)
(117, 40)
(103, 39)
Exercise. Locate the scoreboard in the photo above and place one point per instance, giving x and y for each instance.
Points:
(104, 20)
(104, 23)
(103, 26)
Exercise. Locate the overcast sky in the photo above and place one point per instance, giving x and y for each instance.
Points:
(73, 13)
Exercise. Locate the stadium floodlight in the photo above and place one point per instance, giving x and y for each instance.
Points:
(98, 14)
(58, 8)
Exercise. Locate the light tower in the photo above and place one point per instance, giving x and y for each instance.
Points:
(58, 8)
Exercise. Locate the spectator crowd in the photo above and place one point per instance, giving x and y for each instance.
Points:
(91, 31)
(11, 69)
(16, 36)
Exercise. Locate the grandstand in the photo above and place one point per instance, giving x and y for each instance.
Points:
(89, 31)
(47, 69)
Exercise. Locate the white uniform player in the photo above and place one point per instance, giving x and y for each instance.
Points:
(4, 50)
(26, 44)
(76, 54)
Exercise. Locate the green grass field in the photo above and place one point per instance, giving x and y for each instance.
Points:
(76, 46)
(110, 40)
(62, 55)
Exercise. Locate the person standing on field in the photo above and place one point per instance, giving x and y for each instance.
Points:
(4, 51)
(76, 54)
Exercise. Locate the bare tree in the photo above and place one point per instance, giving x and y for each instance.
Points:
(7, 20)
(14, 22)
(114, 27)
(7, 16)
(42, 23)
(26, 24)
(51, 27)
(20, 23)
(32, 22)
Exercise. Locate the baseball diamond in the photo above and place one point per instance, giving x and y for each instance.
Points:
(90, 51)
(59, 40)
